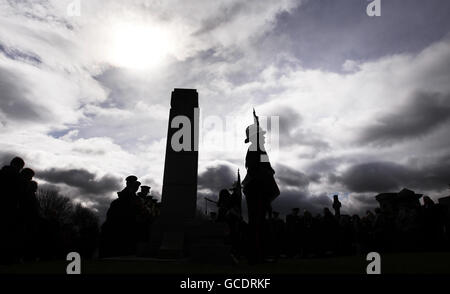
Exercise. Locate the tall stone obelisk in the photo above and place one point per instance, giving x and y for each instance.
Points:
(179, 192)
(170, 230)
(176, 233)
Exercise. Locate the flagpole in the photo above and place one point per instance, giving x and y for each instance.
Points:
(255, 117)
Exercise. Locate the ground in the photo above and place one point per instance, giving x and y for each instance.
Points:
(400, 263)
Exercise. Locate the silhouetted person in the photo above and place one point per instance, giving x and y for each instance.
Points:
(293, 232)
(433, 225)
(25, 177)
(142, 217)
(329, 231)
(130, 187)
(145, 191)
(358, 234)
(223, 205)
(345, 235)
(260, 188)
(229, 211)
(10, 181)
(120, 232)
(10, 188)
(307, 225)
(29, 208)
(336, 206)
(22, 218)
(276, 234)
(149, 206)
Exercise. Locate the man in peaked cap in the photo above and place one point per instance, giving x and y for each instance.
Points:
(145, 191)
(131, 179)
(130, 186)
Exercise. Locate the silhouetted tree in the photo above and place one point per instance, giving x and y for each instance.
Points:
(66, 227)
(54, 206)
(86, 224)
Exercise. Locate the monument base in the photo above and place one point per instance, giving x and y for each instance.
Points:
(208, 244)
(200, 240)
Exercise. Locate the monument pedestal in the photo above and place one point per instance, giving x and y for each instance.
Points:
(169, 239)
(202, 241)
(208, 243)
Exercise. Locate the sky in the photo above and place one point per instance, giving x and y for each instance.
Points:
(362, 103)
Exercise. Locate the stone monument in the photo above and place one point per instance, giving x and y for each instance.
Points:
(179, 192)
(177, 232)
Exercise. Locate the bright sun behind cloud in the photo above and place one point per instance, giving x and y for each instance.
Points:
(139, 46)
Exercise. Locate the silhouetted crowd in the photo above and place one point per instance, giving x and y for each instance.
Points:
(36, 227)
(128, 220)
(41, 224)
(406, 228)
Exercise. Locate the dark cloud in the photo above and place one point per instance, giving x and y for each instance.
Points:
(341, 30)
(324, 168)
(19, 55)
(375, 176)
(314, 177)
(364, 202)
(289, 199)
(81, 179)
(423, 113)
(211, 181)
(293, 186)
(101, 205)
(118, 82)
(291, 131)
(14, 100)
(216, 178)
(389, 176)
(227, 14)
(290, 177)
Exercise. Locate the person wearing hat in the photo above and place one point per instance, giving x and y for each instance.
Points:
(259, 187)
(146, 199)
(145, 190)
(130, 186)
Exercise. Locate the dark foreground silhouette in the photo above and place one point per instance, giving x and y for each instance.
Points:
(128, 220)
(409, 227)
(40, 224)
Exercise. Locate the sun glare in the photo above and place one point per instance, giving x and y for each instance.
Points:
(139, 46)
